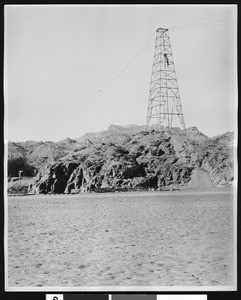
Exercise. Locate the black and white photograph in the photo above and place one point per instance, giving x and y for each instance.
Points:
(120, 136)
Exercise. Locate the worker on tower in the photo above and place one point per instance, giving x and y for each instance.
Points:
(167, 60)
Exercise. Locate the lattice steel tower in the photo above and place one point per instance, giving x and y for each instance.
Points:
(164, 105)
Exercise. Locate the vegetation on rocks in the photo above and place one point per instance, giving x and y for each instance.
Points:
(20, 164)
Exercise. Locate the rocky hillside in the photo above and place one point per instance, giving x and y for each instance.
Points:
(130, 158)
(39, 154)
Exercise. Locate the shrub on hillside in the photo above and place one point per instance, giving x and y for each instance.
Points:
(20, 164)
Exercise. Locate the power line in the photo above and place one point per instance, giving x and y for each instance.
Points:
(146, 45)
(200, 25)
(96, 97)
(133, 59)
(203, 23)
(139, 53)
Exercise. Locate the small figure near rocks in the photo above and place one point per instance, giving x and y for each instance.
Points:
(30, 189)
(20, 173)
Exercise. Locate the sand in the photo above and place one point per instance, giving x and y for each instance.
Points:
(200, 180)
(125, 239)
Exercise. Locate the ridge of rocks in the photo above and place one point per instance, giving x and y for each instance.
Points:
(130, 157)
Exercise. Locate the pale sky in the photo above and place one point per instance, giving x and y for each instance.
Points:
(63, 67)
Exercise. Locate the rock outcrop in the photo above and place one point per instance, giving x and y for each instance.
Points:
(54, 178)
(39, 154)
(133, 158)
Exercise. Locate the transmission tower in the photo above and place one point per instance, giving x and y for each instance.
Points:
(164, 105)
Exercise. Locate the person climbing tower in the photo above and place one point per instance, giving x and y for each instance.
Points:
(167, 60)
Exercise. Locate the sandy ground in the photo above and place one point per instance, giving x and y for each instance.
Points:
(125, 239)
